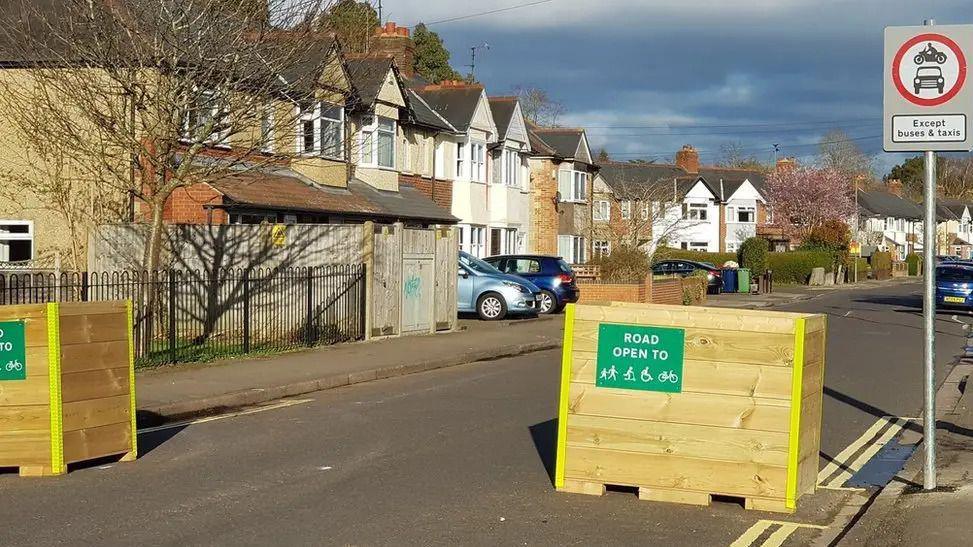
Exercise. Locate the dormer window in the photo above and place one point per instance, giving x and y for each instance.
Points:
(321, 130)
(378, 142)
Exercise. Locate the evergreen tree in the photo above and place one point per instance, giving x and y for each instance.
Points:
(432, 58)
(353, 22)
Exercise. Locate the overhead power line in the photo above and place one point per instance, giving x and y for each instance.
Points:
(842, 121)
(490, 12)
(783, 146)
(609, 133)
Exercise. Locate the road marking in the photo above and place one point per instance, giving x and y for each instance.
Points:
(871, 441)
(283, 404)
(777, 538)
(848, 313)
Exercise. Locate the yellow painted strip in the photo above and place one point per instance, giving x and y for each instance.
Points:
(131, 374)
(793, 446)
(779, 536)
(562, 412)
(54, 388)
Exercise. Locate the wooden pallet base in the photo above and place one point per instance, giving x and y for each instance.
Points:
(675, 495)
(37, 471)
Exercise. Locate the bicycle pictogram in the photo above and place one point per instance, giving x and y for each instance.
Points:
(668, 376)
(14, 365)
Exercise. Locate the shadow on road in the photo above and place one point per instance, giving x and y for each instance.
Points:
(544, 436)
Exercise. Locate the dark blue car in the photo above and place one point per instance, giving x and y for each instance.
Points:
(954, 283)
(551, 274)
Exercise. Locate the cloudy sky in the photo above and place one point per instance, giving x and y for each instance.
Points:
(647, 76)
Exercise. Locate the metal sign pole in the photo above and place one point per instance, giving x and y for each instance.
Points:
(929, 322)
(929, 318)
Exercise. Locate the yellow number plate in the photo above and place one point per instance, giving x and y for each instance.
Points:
(954, 299)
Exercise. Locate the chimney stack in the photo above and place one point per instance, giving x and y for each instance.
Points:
(687, 159)
(786, 164)
(394, 41)
(894, 187)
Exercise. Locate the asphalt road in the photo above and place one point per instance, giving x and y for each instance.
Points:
(459, 456)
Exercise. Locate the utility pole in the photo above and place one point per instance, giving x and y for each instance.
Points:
(380, 21)
(472, 64)
(929, 318)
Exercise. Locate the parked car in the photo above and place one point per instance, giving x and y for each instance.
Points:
(491, 293)
(685, 268)
(954, 283)
(551, 274)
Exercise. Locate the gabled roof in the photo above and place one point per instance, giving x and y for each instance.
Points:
(422, 114)
(647, 180)
(538, 145)
(877, 203)
(503, 111)
(732, 179)
(954, 206)
(457, 104)
(368, 76)
(564, 141)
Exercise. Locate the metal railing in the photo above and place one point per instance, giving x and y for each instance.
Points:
(183, 316)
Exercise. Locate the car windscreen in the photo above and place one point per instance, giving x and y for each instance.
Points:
(929, 71)
(476, 264)
(955, 275)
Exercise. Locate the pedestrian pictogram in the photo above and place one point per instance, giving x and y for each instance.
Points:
(928, 100)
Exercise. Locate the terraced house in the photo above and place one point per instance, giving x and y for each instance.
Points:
(561, 173)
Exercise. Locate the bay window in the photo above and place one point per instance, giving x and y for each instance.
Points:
(460, 159)
(472, 239)
(321, 129)
(332, 130)
(378, 142)
(510, 167)
(477, 162)
(695, 211)
(746, 214)
(573, 186)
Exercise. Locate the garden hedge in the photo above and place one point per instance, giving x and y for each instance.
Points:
(913, 260)
(882, 265)
(789, 267)
(753, 255)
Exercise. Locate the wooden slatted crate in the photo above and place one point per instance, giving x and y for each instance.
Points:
(743, 420)
(77, 400)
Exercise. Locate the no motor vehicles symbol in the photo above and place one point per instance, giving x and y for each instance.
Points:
(929, 69)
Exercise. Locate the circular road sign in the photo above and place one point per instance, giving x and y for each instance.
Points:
(929, 69)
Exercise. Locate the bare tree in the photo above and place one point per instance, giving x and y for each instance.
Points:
(538, 107)
(144, 97)
(733, 154)
(839, 152)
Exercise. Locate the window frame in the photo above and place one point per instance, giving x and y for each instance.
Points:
(745, 209)
(218, 134)
(460, 159)
(13, 236)
(601, 248)
(599, 215)
(701, 210)
(340, 121)
(626, 209)
(370, 142)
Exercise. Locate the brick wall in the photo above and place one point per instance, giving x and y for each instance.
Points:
(722, 227)
(670, 291)
(187, 206)
(440, 191)
(592, 292)
(543, 214)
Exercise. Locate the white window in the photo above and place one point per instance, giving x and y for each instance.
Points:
(746, 214)
(332, 130)
(510, 167)
(601, 248)
(205, 119)
(573, 186)
(473, 240)
(602, 211)
(503, 241)
(695, 211)
(460, 159)
(732, 246)
(267, 130)
(378, 142)
(16, 240)
(626, 210)
(645, 211)
(571, 249)
(478, 162)
(889, 224)
(695, 245)
(307, 134)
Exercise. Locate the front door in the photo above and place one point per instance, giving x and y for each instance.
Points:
(496, 239)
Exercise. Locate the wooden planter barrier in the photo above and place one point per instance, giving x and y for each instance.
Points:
(67, 385)
(689, 402)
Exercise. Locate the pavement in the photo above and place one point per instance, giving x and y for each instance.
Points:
(790, 294)
(176, 392)
(458, 455)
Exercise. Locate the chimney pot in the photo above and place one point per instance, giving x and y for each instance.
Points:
(393, 41)
(786, 164)
(894, 187)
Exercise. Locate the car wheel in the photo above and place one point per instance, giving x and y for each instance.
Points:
(548, 303)
(491, 307)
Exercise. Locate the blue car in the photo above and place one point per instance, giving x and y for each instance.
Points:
(551, 274)
(954, 283)
(491, 293)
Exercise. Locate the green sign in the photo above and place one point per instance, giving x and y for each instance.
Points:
(13, 353)
(638, 357)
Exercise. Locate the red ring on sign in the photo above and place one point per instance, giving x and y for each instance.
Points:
(960, 59)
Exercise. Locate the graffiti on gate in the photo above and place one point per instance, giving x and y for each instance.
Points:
(413, 288)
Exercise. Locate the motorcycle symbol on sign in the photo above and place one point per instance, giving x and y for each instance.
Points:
(930, 55)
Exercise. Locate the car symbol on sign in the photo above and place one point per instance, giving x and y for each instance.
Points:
(928, 77)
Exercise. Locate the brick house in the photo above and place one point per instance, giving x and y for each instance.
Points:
(690, 206)
(561, 172)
